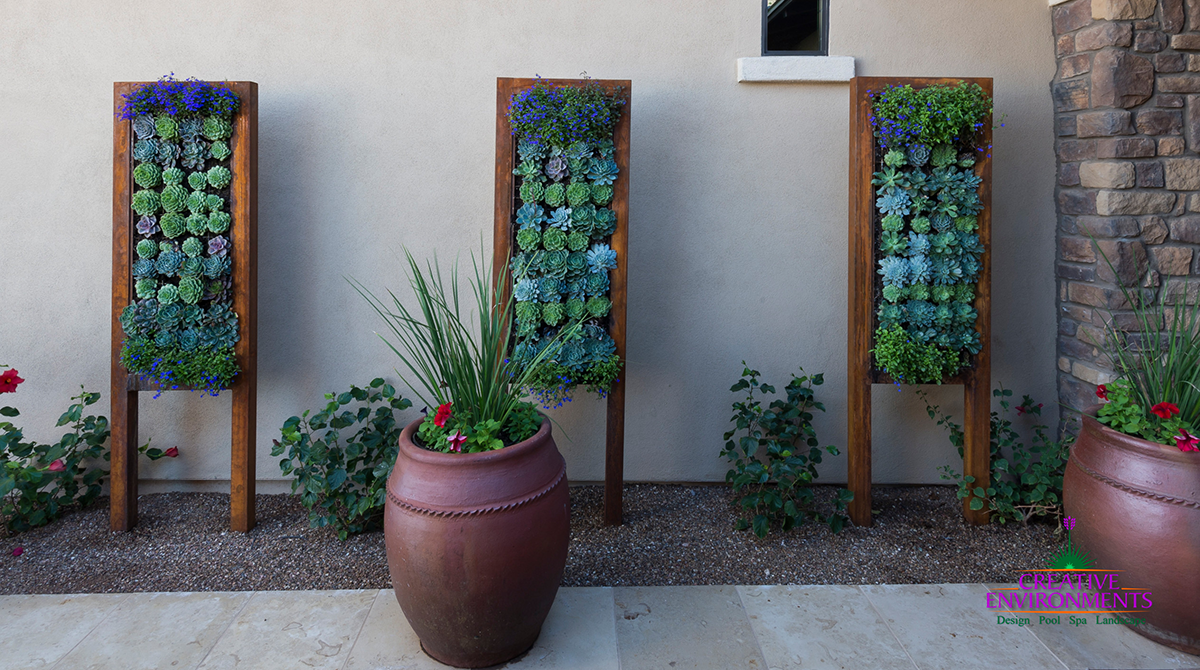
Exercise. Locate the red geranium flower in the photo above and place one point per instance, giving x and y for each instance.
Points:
(1102, 392)
(172, 452)
(1186, 441)
(57, 466)
(443, 413)
(9, 381)
(1164, 410)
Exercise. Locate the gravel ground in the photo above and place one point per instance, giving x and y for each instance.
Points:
(672, 535)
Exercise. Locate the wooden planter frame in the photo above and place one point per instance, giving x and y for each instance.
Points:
(502, 238)
(865, 285)
(243, 207)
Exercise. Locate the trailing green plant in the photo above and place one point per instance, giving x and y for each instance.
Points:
(1026, 476)
(775, 460)
(341, 455)
(550, 115)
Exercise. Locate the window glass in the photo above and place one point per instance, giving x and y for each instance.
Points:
(794, 27)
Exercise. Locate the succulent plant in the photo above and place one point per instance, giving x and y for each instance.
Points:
(215, 202)
(946, 271)
(894, 158)
(190, 128)
(145, 202)
(217, 246)
(554, 263)
(967, 163)
(601, 258)
(144, 267)
(598, 306)
(173, 198)
(918, 154)
(964, 293)
(172, 176)
(169, 316)
(531, 170)
(942, 294)
(918, 291)
(197, 180)
(143, 126)
(597, 283)
(147, 249)
(602, 195)
(583, 218)
(970, 268)
(894, 270)
(216, 127)
(525, 290)
(165, 338)
(138, 318)
(168, 263)
(560, 218)
(147, 175)
(578, 168)
(890, 179)
(919, 313)
(943, 243)
(219, 176)
(554, 239)
(918, 244)
(528, 239)
(942, 223)
(147, 225)
(216, 266)
(145, 150)
(168, 153)
(553, 313)
(571, 355)
(550, 289)
(173, 225)
(578, 194)
(920, 225)
(577, 264)
(220, 151)
(892, 243)
(890, 315)
(919, 268)
(192, 267)
(600, 348)
(529, 312)
(964, 314)
(893, 293)
(194, 155)
(894, 202)
(606, 147)
(969, 243)
(575, 309)
(166, 127)
(966, 224)
(531, 191)
(943, 155)
(168, 294)
(197, 202)
(531, 151)
(530, 215)
(577, 150)
(520, 266)
(602, 171)
(556, 168)
(943, 315)
(146, 288)
(577, 241)
(555, 195)
(892, 223)
(192, 247)
(190, 290)
(189, 339)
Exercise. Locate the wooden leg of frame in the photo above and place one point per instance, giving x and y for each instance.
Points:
(614, 454)
(977, 443)
(858, 451)
(123, 479)
(241, 495)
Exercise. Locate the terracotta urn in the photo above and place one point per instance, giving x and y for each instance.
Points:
(1136, 506)
(476, 545)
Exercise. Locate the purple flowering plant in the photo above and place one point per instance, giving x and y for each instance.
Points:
(548, 114)
(173, 97)
(933, 115)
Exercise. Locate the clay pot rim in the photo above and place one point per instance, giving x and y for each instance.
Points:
(415, 452)
(1135, 443)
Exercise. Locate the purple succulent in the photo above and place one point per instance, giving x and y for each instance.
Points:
(217, 246)
(147, 225)
(556, 168)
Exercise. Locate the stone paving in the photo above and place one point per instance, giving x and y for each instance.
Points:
(674, 627)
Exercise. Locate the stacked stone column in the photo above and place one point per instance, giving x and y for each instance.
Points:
(1127, 121)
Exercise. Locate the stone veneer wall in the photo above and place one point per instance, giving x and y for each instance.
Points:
(1127, 120)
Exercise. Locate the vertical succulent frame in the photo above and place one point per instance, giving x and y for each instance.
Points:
(866, 286)
(240, 151)
(505, 244)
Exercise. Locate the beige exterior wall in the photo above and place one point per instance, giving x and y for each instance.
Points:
(377, 126)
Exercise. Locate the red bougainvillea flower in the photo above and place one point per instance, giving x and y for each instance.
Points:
(1186, 441)
(57, 466)
(443, 413)
(1102, 392)
(9, 381)
(456, 441)
(172, 452)
(1164, 410)
(18, 551)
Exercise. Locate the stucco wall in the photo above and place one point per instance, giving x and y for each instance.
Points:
(376, 131)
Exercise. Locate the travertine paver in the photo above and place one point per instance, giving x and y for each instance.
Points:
(947, 627)
(157, 630)
(292, 629)
(682, 627)
(820, 627)
(37, 631)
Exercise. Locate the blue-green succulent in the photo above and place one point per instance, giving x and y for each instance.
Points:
(216, 128)
(602, 171)
(192, 247)
(168, 294)
(530, 215)
(601, 258)
(197, 180)
(147, 249)
(220, 151)
(145, 150)
(219, 176)
(146, 288)
(531, 191)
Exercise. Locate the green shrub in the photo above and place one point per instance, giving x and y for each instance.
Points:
(341, 457)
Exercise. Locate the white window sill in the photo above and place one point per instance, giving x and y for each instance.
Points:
(796, 68)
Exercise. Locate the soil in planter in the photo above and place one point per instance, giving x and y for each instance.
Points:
(672, 535)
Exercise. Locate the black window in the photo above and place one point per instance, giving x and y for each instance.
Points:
(795, 27)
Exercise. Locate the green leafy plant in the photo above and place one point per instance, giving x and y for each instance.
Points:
(912, 362)
(1026, 478)
(341, 456)
(775, 460)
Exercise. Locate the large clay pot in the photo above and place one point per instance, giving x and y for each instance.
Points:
(476, 545)
(1136, 506)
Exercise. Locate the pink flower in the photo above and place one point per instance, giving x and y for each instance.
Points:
(443, 413)
(57, 466)
(9, 381)
(172, 452)
(456, 441)
(1186, 441)
(1069, 523)
(1102, 392)
(18, 551)
(1165, 410)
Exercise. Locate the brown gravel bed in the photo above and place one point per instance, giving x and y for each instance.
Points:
(672, 535)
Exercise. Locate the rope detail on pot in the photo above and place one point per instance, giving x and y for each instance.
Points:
(1160, 497)
(482, 510)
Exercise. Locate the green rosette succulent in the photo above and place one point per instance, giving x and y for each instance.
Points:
(197, 224)
(919, 292)
(173, 225)
(219, 176)
(147, 249)
(197, 202)
(550, 289)
(192, 247)
(216, 128)
(577, 263)
(942, 294)
(174, 198)
(894, 158)
(218, 222)
(943, 155)
(220, 150)
(554, 239)
(529, 313)
(528, 239)
(531, 191)
(602, 195)
(145, 202)
(577, 241)
(146, 288)
(168, 294)
(921, 225)
(529, 169)
(964, 293)
(893, 293)
(555, 195)
(597, 283)
(575, 309)
(168, 262)
(166, 127)
(598, 306)
(147, 175)
(215, 202)
(578, 194)
(554, 263)
(145, 150)
(192, 267)
(173, 176)
(197, 180)
(966, 224)
(892, 223)
(191, 289)
(606, 223)
(553, 313)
